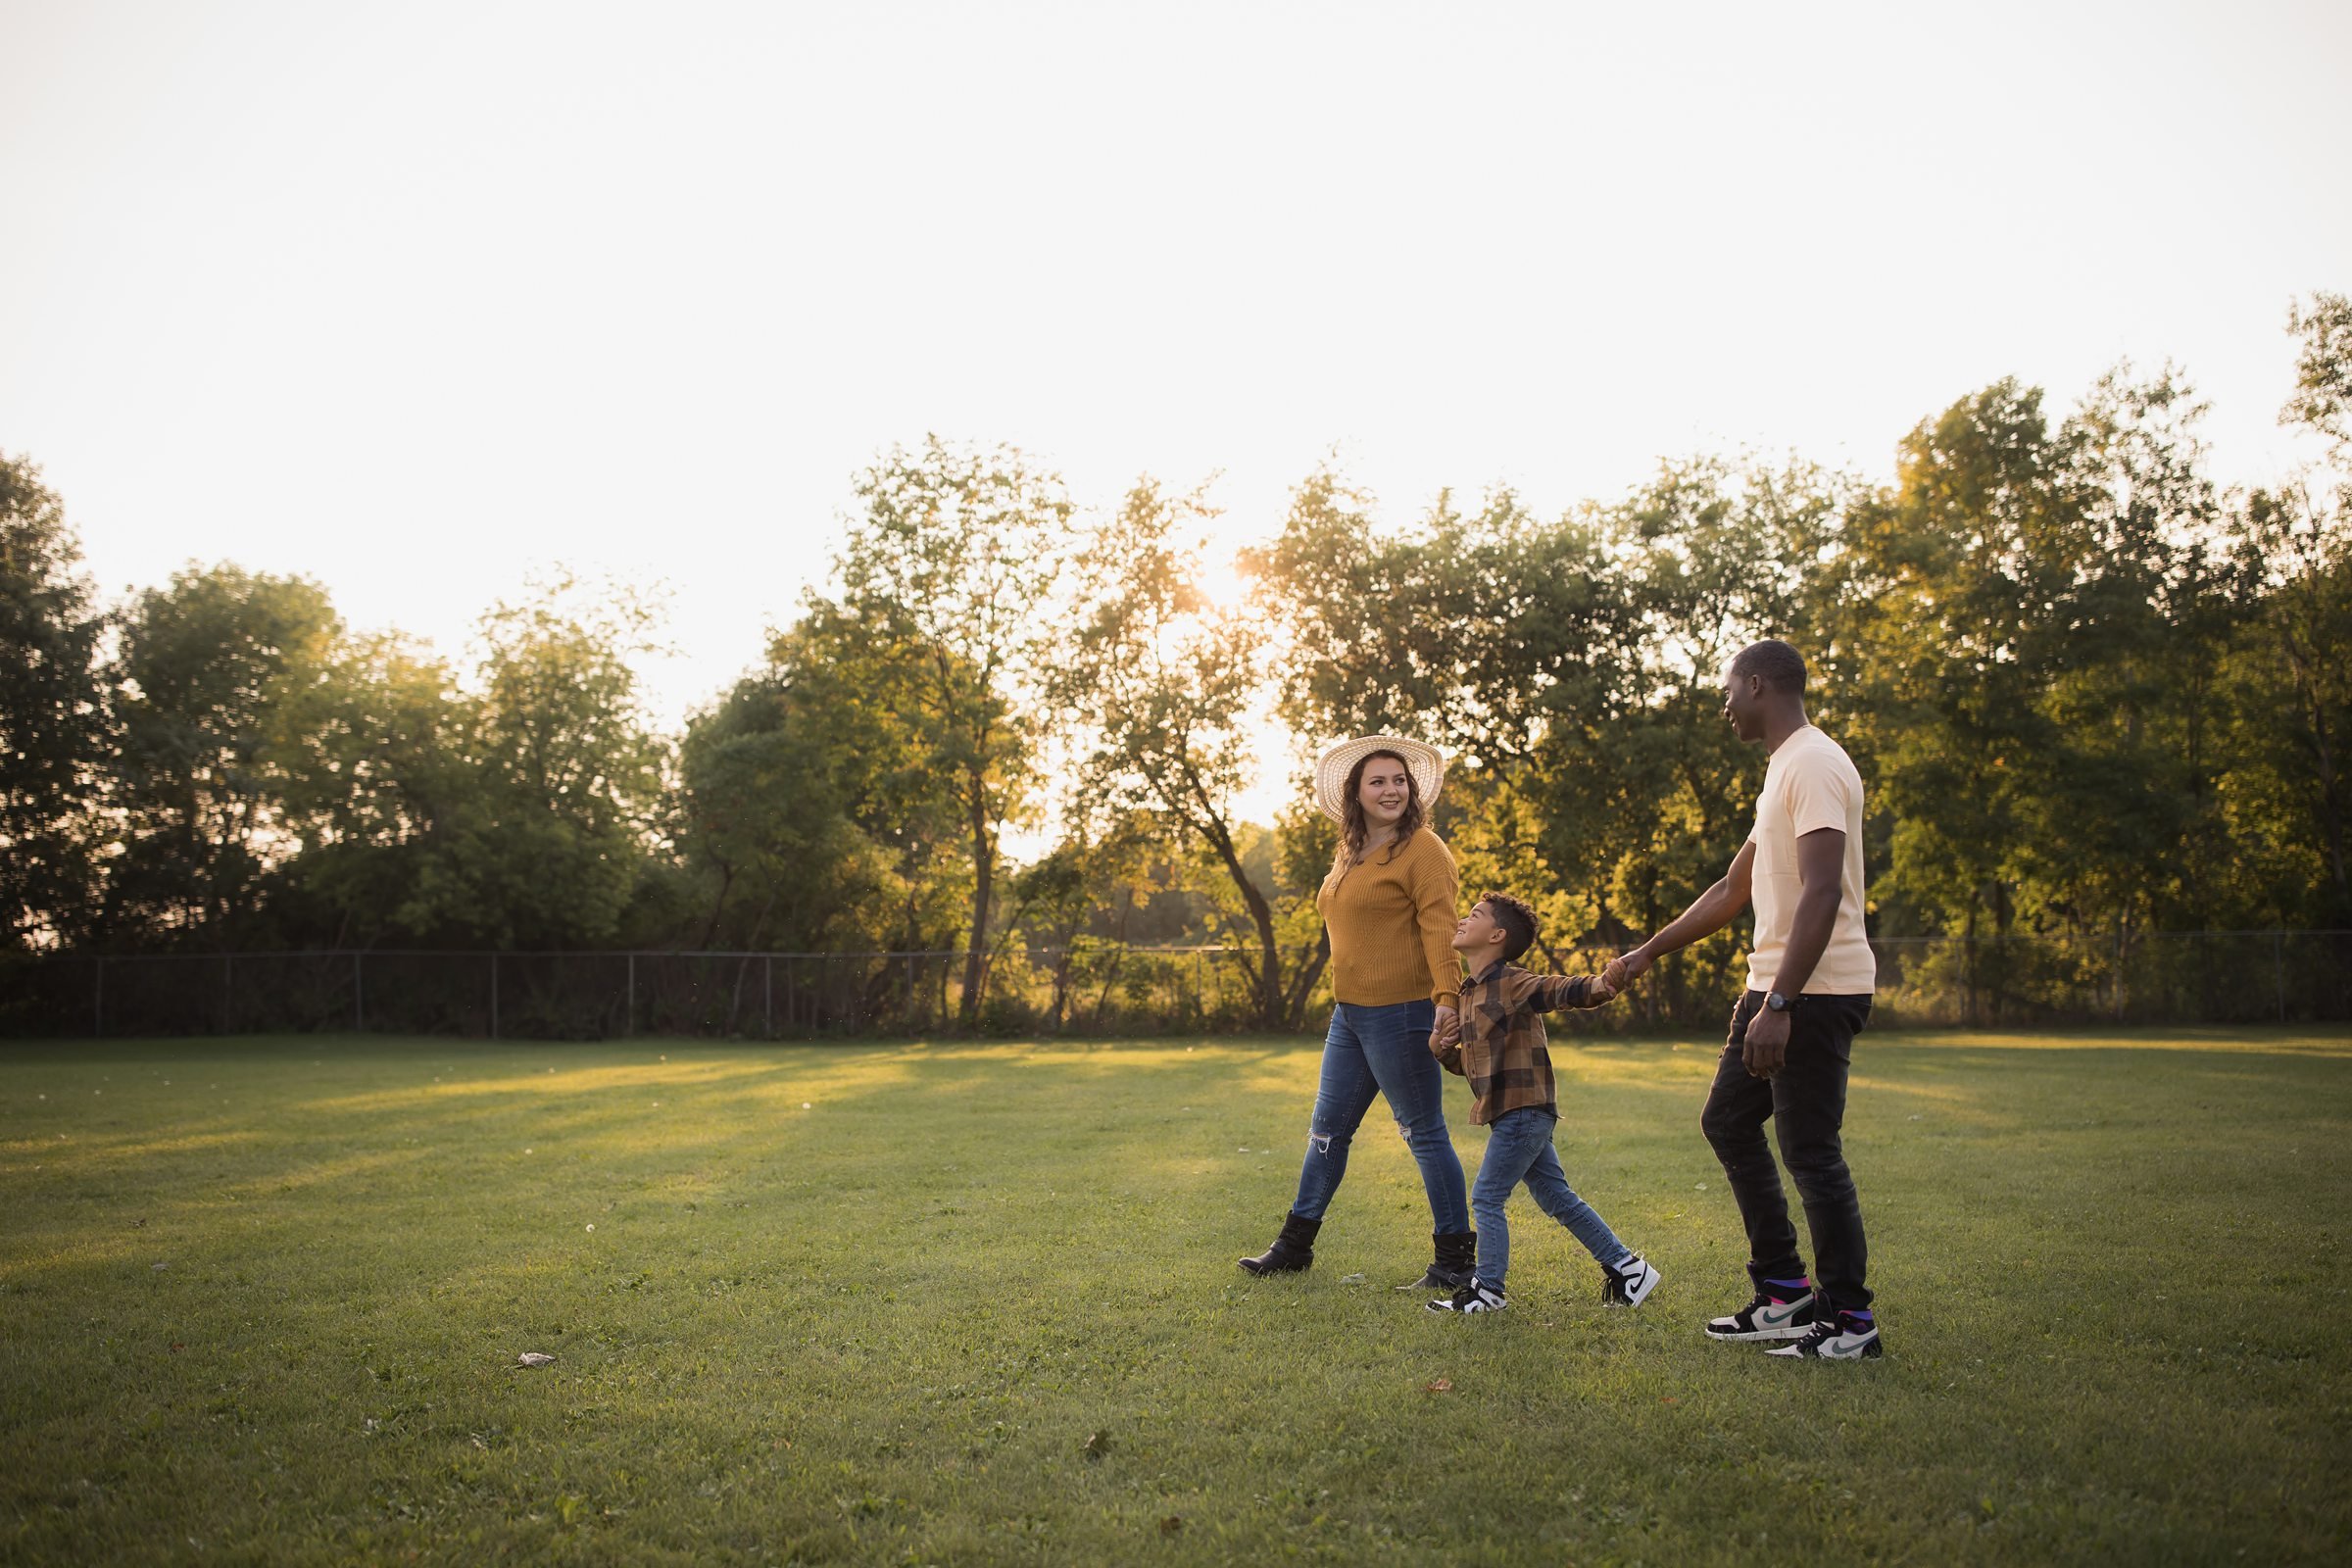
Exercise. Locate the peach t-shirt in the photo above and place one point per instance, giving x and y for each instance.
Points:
(1809, 784)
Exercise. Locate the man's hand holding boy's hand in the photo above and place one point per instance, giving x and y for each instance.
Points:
(1623, 970)
(1599, 990)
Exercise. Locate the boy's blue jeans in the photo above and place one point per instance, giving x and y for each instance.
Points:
(1382, 1051)
(1519, 1150)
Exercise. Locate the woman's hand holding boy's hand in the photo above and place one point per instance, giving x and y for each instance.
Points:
(1448, 1033)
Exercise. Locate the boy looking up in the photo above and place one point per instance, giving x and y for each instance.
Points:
(1498, 1043)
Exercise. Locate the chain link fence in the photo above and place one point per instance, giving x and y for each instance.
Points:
(2203, 977)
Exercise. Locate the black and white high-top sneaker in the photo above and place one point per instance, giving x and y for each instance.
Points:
(1766, 1318)
(1629, 1283)
(1471, 1297)
(1842, 1337)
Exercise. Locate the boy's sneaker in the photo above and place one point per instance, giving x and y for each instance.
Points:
(1471, 1297)
(1765, 1318)
(1628, 1284)
(1843, 1337)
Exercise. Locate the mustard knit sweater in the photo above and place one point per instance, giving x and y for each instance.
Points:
(1391, 925)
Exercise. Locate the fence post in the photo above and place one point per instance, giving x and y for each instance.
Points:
(628, 1024)
(494, 995)
(359, 1011)
(2118, 971)
(767, 996)
(98, 1001)
(2279, 970)
(228, 991)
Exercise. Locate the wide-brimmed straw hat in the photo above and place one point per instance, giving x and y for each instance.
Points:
(1339, 759)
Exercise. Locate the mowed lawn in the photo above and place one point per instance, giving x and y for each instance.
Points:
(261, 1300)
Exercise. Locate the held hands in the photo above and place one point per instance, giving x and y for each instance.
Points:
(1447, 1034)
(1623, 970)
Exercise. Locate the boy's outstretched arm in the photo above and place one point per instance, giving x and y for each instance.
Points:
(1556, 993)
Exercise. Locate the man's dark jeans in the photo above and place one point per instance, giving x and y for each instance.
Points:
(1805, 1100)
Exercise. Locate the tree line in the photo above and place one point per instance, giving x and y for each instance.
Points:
(2092, 692)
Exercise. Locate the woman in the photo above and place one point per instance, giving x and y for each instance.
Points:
(1389, 905)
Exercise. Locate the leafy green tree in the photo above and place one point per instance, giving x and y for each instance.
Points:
(1078, 901)
(1569, 665)
(552, 849)
(2290, 673)
(2290, 677)
(375, 766)
(204, 668)
(946, 573)
(2120, 822)
(1162, 685)
(1948, 577)
(1493, 634)
(53, 716)
(2322, 401)
(1646, 796)
(814, 813)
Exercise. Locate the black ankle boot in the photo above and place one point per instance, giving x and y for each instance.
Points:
(1457, 1259)
(1293, 1249)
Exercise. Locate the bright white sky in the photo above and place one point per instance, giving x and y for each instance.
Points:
(417, 297)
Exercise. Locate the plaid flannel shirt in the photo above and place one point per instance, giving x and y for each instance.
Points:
(1501, 1049)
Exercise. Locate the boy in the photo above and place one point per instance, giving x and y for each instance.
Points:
(1498, 1046)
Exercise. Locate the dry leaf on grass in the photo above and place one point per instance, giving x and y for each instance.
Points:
(533, 1358)
(1440, 1384)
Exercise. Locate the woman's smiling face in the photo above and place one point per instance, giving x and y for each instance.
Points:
(1385, 791)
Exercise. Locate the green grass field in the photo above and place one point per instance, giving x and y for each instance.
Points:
(262, 1300)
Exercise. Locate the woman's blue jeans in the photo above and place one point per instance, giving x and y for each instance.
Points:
(1383, 1051)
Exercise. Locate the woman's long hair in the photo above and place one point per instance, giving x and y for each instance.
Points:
(1354, 829)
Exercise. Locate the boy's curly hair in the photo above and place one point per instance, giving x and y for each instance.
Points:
(1517, 920)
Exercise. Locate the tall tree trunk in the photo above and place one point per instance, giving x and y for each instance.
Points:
(1118, 955)
(1261, 915)
(1302, 983)
(719, 906)
(984, 877)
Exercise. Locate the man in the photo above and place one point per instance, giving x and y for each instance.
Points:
(1810, 978)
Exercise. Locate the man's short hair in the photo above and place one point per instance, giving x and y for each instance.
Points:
(1780, 666)
(1517, 920)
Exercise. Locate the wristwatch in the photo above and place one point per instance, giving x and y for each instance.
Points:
(1779, 1003)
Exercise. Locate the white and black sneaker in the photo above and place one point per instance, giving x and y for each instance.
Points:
(1839, 1338)
(1766, 1318)
(1471, 1297)
(1628, 1283)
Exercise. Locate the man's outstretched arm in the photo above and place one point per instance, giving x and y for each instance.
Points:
(1708, 914)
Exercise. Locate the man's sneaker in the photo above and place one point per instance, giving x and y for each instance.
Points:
(1842, 1337)
(1628, 1284)
(1766, 1319)
(1471, 1297)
